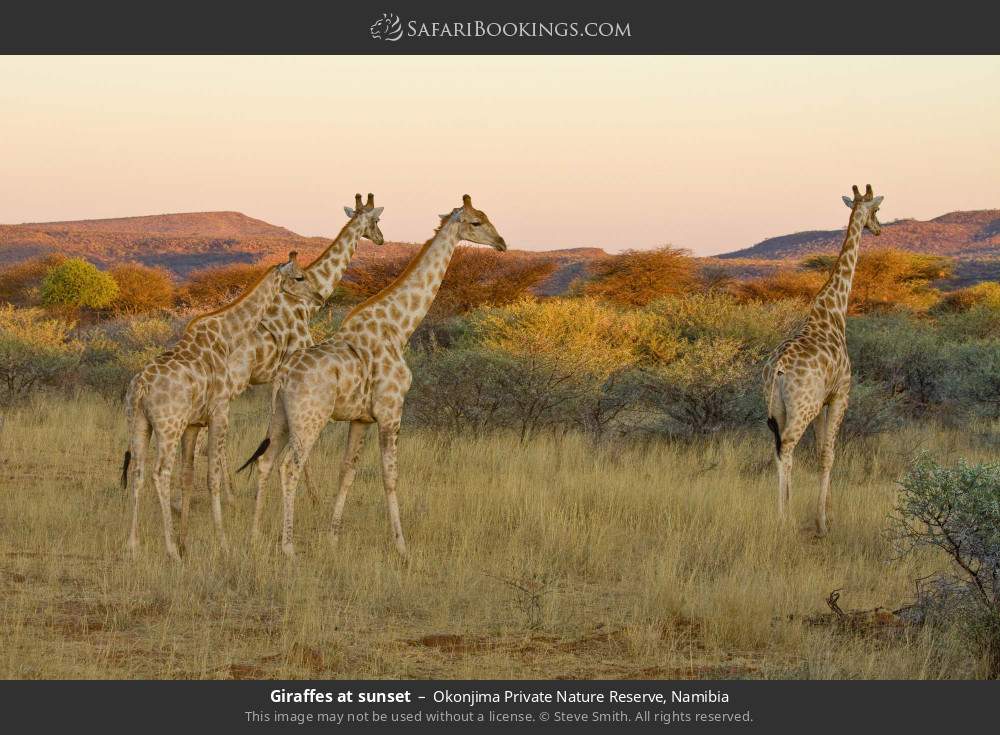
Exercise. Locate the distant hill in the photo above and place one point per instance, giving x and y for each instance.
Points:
(957, 234)
(972, 238)
(186, 242)
(190, 224)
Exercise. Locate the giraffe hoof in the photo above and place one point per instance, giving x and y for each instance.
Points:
(289, 551)
(132, 551)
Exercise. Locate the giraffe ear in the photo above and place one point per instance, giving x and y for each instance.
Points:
(377, 212)
(877, 201)
(849, 202)
(348, 211)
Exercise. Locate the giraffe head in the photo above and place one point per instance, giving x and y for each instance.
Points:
(367, 215)
(293, 281)
(474, 225)
(868, 205)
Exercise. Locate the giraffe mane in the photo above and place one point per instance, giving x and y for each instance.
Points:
(401, 278)
(329, 247)
(226, 307)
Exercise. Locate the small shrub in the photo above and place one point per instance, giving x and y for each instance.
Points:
(481, 389)
(889, 278)
(476, 277)
(210, 288)
(77, 283)
(20, 284)
(956, 510)
(870, 411)
(713, 385)
(639, 277)
(142, 289)
(115, 350)
(801, 286)
(985, 294)
(35, 351)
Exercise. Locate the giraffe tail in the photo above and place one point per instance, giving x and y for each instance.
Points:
(125, 464)
(135, 393)
(776, 409)
(257, 453)
(772, 424)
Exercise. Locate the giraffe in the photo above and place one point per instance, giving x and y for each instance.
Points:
(809, 375)
(285, 325)
(360, 376)
(190, 386)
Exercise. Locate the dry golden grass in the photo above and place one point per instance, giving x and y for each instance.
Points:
(550, 559)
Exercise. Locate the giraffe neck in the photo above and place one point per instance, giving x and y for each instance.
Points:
(243, 315)
(832, 300)
(407, 300)
(326, 271)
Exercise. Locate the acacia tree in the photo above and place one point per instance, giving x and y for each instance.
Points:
(142, 289)
(475, 277)
(887, 277)
(20, 283)
(637, 277)
(212, 287)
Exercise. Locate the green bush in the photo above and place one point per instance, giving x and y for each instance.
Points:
(713, 385)
(479, 389)
(870, 411)
(77, 283)
(115, 350)
(909, 356)
(35, 351)
(956, 510)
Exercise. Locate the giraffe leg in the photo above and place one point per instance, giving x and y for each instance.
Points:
(189, 440)
(177, 494)
(838, 406)
(218, 424)
(307, 481)
(355, 441)
(227, 481)
(166, 447)
(388, 435)
(790, 436)
(278, 434)
(291, 468)
(819, 430)
(139, 446)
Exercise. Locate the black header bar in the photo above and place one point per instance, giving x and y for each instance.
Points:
(510, 27)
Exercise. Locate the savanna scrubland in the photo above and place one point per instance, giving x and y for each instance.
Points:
(585, 480)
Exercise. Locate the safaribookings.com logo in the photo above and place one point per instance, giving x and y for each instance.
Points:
(390, 28)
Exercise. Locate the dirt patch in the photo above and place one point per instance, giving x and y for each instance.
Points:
(697, 671)
(75, 618)
(454, 644)
(245, 671)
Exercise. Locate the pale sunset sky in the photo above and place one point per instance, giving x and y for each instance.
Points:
(707, 153)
